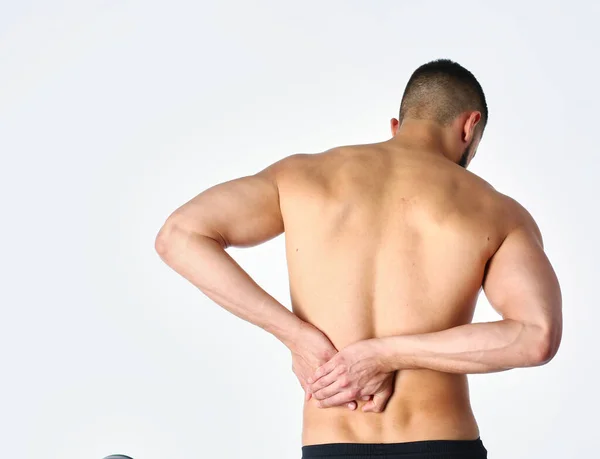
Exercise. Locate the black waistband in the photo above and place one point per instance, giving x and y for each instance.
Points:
(465, 448)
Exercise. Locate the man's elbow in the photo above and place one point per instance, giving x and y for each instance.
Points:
(164, 239)
(175, 234)
(170, 235)
(546, 345)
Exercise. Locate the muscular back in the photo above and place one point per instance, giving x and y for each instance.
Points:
(383, 241)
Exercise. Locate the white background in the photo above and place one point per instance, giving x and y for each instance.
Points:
(114, 113)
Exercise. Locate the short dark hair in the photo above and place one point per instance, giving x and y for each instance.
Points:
(440, 91)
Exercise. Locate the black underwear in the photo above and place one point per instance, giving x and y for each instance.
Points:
(429, 449)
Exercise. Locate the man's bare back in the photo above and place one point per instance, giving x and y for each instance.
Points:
(383, 240)
(388, 246)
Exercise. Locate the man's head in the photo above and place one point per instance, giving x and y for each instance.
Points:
(445, 93)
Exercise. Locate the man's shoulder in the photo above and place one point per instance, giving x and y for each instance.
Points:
(331, 156)
(292, 166)
(475, 179)
(510, 214)
(520, 217)
(298, 164)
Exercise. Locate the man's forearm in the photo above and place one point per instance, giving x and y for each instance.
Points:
(472, 348)
(206, 264)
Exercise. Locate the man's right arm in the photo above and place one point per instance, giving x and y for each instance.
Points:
(522, 286)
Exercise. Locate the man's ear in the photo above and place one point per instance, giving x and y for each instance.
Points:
(394, 123)
(469, 127)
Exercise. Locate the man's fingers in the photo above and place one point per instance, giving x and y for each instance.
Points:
(307, 395)
(328, 391)
(352, 405)
(368, 407)
(323, 382)
(339, 399)
(323, 370)
(377, 405)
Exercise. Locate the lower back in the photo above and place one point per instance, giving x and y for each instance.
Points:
(425, 405)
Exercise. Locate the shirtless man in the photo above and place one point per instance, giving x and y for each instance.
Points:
(388, 246)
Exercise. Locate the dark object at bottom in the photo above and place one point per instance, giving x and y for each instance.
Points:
(118, 456)
(434, 449)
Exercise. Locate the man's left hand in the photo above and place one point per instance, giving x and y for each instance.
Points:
(313, 349)
(356, 372)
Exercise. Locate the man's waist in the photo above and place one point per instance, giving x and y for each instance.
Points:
(423, 407)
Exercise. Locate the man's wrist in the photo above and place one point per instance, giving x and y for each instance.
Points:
(291, 331)
(390, 353)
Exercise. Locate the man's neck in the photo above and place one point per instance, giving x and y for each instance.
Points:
(426, 136)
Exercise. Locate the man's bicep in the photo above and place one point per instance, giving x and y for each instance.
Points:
(241, 213)
(520, 282)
